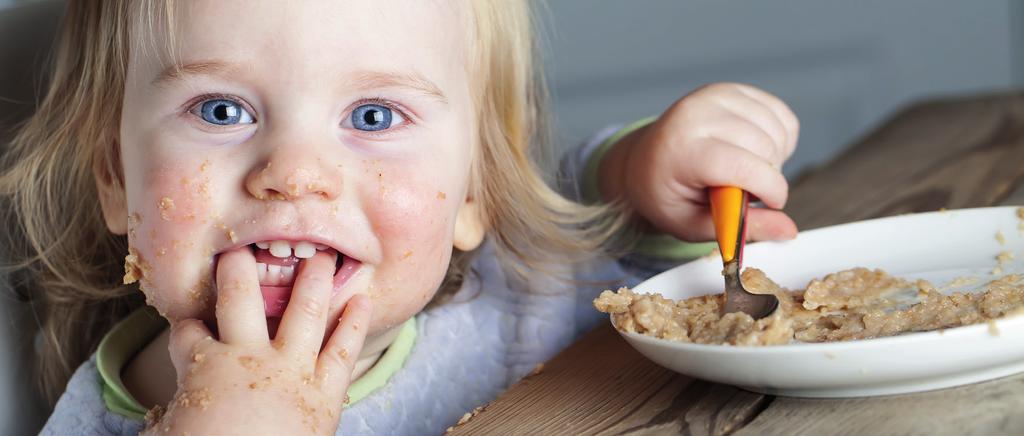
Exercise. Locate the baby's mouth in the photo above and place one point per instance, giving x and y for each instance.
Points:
(277, 263)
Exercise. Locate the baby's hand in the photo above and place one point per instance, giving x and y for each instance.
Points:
(723, 134)
(245, 383)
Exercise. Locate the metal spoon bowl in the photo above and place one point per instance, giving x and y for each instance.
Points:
(729, 212)
(738, 299)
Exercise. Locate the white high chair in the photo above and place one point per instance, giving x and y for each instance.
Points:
(26, 37)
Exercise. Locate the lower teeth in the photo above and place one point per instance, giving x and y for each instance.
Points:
(278, 275)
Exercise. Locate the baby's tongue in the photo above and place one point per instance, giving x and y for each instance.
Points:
(276, 278)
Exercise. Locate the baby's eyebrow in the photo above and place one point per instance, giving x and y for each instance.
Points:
(359, 79)
(176, 72)
(383, 79)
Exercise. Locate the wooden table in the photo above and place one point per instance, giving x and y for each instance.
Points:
(957, 153)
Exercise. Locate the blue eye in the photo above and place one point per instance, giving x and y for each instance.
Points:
(224, 112)
(373, 117)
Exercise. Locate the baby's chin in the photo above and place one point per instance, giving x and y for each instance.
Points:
(177, 307)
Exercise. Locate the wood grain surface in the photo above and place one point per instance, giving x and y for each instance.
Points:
(954, 153)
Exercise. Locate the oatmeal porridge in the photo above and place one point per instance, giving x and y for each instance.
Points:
(853, 304)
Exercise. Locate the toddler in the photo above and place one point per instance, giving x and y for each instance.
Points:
(333, 214)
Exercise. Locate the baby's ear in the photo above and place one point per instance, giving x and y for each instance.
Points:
(469, 226)
(112, 195)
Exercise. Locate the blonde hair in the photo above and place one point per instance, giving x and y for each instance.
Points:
(66, 262)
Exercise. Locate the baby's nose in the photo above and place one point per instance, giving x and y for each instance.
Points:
(289, 178)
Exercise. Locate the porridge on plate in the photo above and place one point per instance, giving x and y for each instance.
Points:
(852, 304)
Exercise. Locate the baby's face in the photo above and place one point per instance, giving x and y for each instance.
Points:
(297, 126)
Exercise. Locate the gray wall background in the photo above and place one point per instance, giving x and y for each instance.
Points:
(842, 66)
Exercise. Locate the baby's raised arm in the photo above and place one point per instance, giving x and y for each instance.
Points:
(724, 134)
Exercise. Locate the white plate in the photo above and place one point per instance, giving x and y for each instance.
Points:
(937, 246)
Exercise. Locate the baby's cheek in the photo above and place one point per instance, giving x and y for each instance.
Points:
(414, 225)
(170, 220)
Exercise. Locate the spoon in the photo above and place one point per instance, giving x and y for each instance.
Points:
(729, 212)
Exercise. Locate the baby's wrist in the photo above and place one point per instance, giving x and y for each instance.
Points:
(605, 169)
(612, 169)
(611, 165)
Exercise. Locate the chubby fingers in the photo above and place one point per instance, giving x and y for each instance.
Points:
(186, 336)
(762, 225)
(765, 111)
(241, 315)
(745, 116)
(725, 164)
(305, 319)
(769, 225)
(338, 358)
(783, 114)
(739, 131)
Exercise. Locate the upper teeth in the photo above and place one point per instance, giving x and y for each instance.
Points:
(284, 249)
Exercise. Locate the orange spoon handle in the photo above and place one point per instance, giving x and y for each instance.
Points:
(729, 210)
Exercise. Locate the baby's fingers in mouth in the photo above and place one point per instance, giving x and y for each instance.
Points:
(277, 264)
(305, 317)
(240, 308)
